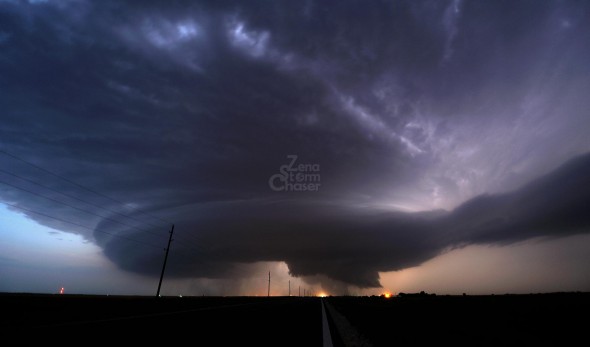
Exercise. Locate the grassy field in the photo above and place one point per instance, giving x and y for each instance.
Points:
(554, 319)
(521, 320)
(200, 321)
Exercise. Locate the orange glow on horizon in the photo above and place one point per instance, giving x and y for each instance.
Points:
(322, 295)
(387, 295)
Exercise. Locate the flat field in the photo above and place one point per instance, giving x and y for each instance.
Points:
(554, 319)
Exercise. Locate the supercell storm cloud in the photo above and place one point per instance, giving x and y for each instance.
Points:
(417, 126)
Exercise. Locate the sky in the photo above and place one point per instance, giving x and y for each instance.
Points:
(347, 147)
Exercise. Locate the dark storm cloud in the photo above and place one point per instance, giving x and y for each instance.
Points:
(185, 111)
(352, 245)
(553, 205)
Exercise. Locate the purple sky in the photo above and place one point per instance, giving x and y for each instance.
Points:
(436, 141)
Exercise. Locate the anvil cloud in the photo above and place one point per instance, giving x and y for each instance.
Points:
(434, 124)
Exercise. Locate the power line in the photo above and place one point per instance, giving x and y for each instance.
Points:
(101, 231)
(74, 197)
(76, 184)
(80, 225)
(193, 239)
(193, 243)
(79, 209)
(165, 260)
(84, 201)
(191, 246)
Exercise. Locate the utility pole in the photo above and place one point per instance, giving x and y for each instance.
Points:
(289, 287)
(165, 259)
(268, 284)
(299, 290)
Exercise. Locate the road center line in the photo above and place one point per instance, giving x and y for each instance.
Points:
(327, 337)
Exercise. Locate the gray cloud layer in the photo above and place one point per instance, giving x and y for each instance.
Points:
(186, 110)
(352, 245)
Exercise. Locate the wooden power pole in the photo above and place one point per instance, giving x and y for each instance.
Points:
(268, 284)
(165, 259)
